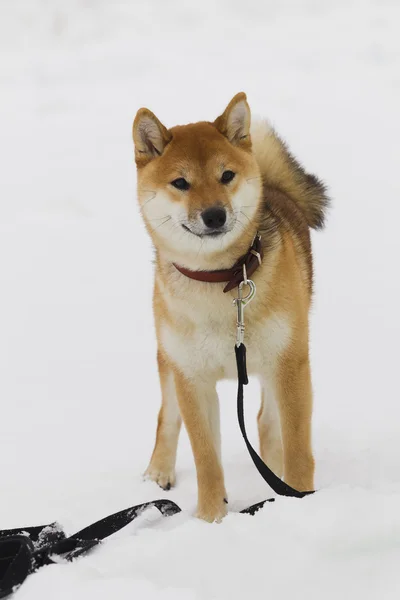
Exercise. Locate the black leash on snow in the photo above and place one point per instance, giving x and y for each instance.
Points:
(23, 551)
(280, 487)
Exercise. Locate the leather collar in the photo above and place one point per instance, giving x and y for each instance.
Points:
(235, 275)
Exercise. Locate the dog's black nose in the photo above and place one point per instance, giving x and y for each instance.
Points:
(214, 217)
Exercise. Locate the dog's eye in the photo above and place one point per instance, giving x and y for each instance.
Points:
(180, 184)
(227, 176)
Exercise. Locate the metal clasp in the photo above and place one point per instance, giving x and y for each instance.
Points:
(240, 304)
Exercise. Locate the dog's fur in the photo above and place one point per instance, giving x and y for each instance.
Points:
(196, 322)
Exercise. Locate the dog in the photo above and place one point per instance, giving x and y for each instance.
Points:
(206, 191)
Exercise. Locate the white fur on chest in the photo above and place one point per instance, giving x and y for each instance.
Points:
(209, 347)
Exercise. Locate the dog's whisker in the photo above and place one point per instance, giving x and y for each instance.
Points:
(148, 200)
(158, 218)
(163, 223)
(200, 247)
(243, 226)
(244, 214)
(153, 192)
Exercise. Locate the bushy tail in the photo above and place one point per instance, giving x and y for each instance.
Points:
(281, 170)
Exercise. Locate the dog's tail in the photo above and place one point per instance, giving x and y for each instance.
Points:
(281, 170)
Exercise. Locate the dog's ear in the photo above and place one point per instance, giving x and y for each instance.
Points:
(149, 136)
(234, 123)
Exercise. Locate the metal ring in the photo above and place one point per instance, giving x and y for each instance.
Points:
(251, 293)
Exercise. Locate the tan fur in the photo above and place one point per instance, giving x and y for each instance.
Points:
(281, 170)
(162, 464)
(195, 321)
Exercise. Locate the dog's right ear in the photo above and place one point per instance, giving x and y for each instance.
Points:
(149, 136)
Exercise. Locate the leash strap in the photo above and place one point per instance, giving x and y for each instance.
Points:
(23, 551)
(279, 486)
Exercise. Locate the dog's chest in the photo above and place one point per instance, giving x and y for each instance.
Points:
(201, 339)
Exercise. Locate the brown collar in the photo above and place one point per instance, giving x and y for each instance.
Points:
(252, 260)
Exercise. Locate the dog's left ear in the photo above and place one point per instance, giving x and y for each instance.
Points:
(234, 123)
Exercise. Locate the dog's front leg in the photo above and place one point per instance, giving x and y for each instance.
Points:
(198, 403)
(162, 464)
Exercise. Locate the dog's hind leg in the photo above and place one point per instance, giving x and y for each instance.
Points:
(295, 408)
(269, 429)
(162, 464)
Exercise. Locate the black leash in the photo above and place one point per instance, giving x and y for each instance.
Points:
(280, 487)
(23, 551)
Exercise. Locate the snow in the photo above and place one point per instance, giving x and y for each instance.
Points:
(78, 381)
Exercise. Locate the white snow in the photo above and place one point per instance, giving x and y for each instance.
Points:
(78, 382)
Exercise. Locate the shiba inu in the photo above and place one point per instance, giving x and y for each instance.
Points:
(206, 191)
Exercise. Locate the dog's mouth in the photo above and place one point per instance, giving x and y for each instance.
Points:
(214, 233)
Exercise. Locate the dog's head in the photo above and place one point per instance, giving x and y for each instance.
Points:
(199, 185)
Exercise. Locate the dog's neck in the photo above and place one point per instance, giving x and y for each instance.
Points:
(247, 264)
(197, 260)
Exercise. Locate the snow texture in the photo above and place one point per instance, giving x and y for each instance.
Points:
(78, 381)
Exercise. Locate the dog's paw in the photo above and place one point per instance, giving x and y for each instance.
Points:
(213, 512)
(164, 478)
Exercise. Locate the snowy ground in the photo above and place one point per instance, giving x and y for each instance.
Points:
(78, 383)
